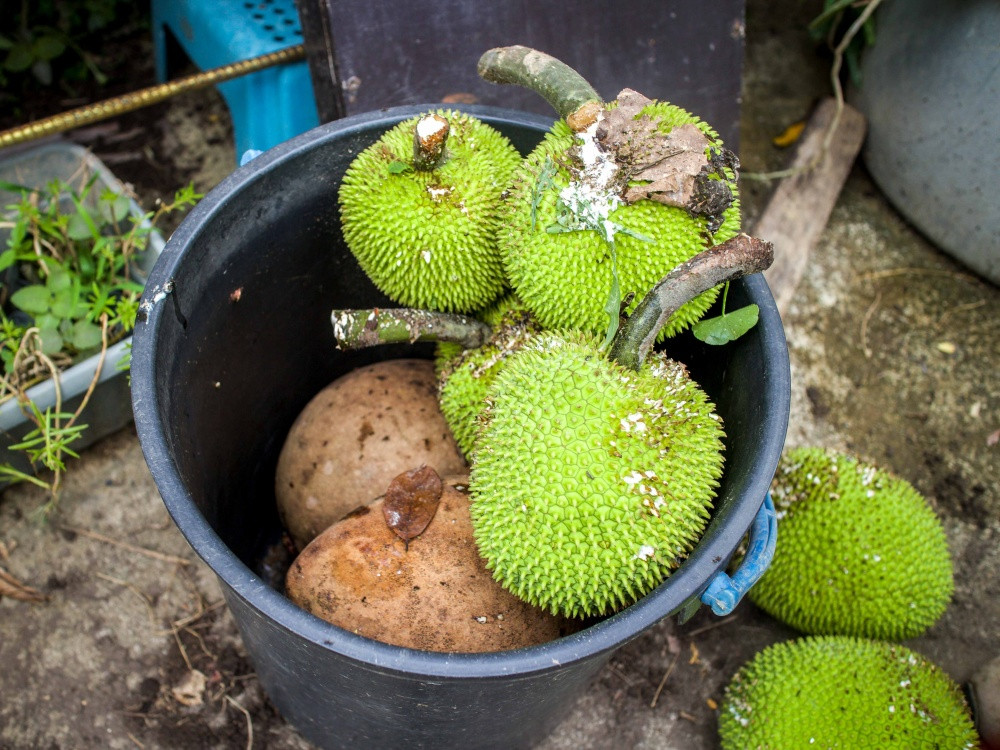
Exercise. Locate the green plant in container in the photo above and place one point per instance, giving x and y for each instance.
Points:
(70, 289)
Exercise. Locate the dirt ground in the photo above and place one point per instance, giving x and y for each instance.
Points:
(895, 351)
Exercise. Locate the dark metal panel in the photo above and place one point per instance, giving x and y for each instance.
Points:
(689, 52)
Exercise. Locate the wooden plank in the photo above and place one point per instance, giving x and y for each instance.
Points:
(801, 205)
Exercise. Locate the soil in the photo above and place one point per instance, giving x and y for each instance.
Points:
(894, 351)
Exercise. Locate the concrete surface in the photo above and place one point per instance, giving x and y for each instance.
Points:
(895, 351)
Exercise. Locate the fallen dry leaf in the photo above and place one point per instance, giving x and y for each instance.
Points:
(411, 502)
(14, 589)
(789, 135)
(694, 655)
(190, 691)
(993, 438)
(674, 168)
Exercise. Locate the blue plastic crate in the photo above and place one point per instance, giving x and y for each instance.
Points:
(267, 107)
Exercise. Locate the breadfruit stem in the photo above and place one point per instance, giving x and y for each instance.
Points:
(430, 135)
(566, 90)
(359, 329)
(739, 256)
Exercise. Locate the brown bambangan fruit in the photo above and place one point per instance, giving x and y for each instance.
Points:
(355, 436)
(432, 593)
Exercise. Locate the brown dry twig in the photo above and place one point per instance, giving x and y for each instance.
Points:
(15, 589)
(246, 713)
(125, 545)
(712, 625)
(864, 325)
(659, 688)
(146, 599)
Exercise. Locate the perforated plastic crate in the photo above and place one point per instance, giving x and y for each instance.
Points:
(267, 107)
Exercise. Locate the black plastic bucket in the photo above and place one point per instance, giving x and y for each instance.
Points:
(234, 340)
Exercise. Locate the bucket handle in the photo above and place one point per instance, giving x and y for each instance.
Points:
(724, 592)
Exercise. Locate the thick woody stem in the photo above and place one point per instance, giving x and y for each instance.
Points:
(429, 138)
(358, 329)
(740, 256)
(561, 86)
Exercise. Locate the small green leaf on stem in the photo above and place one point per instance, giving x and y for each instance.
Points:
(726, 327)
(613, 307)
(543, 183)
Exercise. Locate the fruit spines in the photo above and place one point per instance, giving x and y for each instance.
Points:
(465, 375)
(427, 238)
(596, 505)
(843, 692)
(861, 553)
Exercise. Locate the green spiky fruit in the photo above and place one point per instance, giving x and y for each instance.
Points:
(426, 238)
(465, 377)
(842, 692)
(861, 551)
(591, 482)
(564, 277)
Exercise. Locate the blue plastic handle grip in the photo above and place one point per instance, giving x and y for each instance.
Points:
(724, 592)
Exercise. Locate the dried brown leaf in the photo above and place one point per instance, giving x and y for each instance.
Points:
(411, 502)
(190, 691)
(674, 168)
(667, 164)
(13, 588)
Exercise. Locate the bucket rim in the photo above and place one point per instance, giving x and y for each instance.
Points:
(592, 642)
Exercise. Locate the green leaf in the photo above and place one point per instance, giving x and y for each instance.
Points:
(48, 47)
(19, 57)
(398, 167)
(80, 227)
(85, 335)
(6, 42)
(59, 279)
(33, 299)
(63, 303)
(114, 207)
(725, 328)
(613, 306)
(52, 342)
(7, 259)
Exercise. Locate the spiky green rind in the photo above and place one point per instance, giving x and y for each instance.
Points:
(861, 551)
(843, 692)
(427, 238)
(464, 380)
(591, 482)
(565, 278)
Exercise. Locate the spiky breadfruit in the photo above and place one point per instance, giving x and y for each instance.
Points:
(843, 692)
(564, 277)
(426, 238)
(590, 481)
(465, 377)
(861, 551)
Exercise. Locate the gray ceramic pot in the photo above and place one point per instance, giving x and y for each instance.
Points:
(931, 92)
